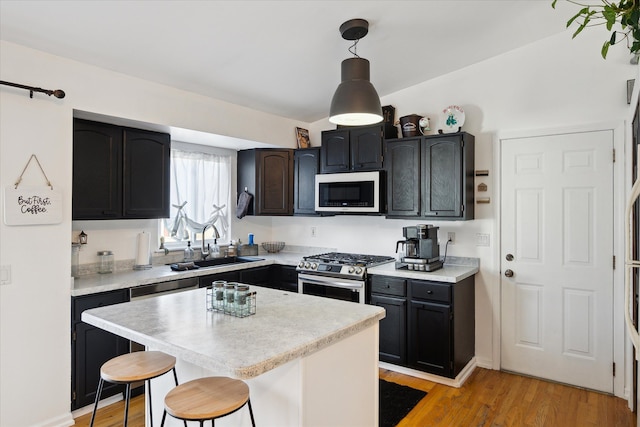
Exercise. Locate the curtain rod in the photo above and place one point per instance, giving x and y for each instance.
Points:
(57, 93)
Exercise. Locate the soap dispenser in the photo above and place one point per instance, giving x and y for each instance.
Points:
(188, 252)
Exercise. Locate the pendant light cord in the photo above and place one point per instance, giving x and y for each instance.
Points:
(354, 48)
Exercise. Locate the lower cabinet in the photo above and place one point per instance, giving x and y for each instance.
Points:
(275, 276)
(259, 276)
(284, 277)
(390, 293)
(429, 326)
(91, 347)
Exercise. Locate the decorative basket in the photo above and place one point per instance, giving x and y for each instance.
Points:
(272, 247)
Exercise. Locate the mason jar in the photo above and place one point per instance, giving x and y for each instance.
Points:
(105, 262)
(241, 300)
(229, 298)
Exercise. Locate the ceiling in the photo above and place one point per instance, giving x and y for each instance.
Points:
(280, 57)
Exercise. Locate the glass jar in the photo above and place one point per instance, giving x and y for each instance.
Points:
(75, 259)
(241, 300)
(105, 262)
(229, 298)
(217, 296)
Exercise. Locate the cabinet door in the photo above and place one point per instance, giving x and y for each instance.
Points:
(335, 152)
(366, 148)
(229, 276)
(306, 165)
(93, 347)
(259, 276)
(97, 170)
(393, 342)
(402, 163)
(275, 182)
(429, 339)
(146, 174)
(442, 160)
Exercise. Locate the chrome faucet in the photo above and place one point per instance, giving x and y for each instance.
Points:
(206, 252)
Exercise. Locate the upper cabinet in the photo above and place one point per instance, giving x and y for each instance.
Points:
(352, 149)
(431, 177)
(267, 174)
(306, 164)
(119, 172)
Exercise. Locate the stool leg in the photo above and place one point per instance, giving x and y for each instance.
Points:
(126, 405)
(150, 400)
(95, 407)
(175, 378)
(164, 415)
(253, 423)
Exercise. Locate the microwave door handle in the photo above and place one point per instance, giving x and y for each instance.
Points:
(330, 282)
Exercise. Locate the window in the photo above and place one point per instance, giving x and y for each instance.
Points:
(200, 195)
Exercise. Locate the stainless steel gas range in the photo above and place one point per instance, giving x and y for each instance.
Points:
(337, 275)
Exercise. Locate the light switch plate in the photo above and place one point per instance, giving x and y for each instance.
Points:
(5, 274)
(483, 239)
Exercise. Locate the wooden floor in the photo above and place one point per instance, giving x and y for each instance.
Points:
(488, 398)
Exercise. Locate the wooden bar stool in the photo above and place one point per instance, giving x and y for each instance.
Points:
(133, 367)
(207, 399)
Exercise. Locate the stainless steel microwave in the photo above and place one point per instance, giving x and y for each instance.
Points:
(355, 192)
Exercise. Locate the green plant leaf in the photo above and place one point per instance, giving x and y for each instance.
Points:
(610, 16)
(605, 49)
(584, 11)
(553, 4)
(581, 27)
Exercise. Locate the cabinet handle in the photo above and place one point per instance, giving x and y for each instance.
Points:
(429, 292)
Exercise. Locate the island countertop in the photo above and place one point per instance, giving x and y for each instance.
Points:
(286, 326)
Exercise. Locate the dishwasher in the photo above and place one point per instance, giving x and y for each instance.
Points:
(157, 289)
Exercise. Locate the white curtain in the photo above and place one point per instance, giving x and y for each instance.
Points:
(200, 191)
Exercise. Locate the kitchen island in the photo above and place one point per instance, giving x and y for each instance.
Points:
(309, 361)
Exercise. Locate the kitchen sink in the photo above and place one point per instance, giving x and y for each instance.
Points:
(212, 262)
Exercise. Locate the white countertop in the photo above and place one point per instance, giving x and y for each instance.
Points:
(450, 273)
(95, 283)
(286, 326)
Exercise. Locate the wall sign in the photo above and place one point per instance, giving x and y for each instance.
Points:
(32, 205)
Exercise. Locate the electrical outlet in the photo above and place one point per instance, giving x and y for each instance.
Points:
(451, 237)
(483, 239)
(313, 232)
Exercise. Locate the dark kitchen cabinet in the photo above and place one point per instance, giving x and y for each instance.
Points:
(91, 347)
(284, 277)
(267, 174)
(402, 163)
(229, 276)
(306, 164)
(390, 293)
(441, 332)
(119, 172)
(352, 149)
(448, 170)
(431, 177)
(259, 276)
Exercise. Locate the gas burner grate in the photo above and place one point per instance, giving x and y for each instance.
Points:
(350, 259)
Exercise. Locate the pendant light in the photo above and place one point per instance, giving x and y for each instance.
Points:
(355, 102)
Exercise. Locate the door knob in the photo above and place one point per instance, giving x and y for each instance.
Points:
(508, 273)
(509, 257)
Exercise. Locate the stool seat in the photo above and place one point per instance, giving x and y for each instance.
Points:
(207, 398)
(137, 366)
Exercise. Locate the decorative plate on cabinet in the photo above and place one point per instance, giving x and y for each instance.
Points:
(452, 119)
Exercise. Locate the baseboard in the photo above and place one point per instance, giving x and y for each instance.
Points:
(456, 382)
(104, 402)
(64, 420)
(484, 363)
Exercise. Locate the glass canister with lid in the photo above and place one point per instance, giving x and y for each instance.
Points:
(105, 262)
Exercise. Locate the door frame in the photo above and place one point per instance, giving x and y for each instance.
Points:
(622, 355)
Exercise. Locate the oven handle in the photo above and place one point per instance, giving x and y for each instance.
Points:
(330, 281)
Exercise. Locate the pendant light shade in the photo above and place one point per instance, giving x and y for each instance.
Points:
(355, 102)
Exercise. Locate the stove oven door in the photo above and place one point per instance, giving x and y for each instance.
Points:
(332, 287)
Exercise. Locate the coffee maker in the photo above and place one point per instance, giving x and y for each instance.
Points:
(420, 248)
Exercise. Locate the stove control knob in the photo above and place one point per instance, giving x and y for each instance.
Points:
(359, 270)
(314, 266)
(351, 270)
(301, 265)
(307, 265)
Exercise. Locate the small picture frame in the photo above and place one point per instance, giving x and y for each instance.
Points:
(302, 136)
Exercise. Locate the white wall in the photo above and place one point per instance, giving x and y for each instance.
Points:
(35, 308)
(555, 82)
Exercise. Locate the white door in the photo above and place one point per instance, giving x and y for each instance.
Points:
(557, 229)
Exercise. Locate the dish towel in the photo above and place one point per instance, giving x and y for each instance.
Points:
(244, 201)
